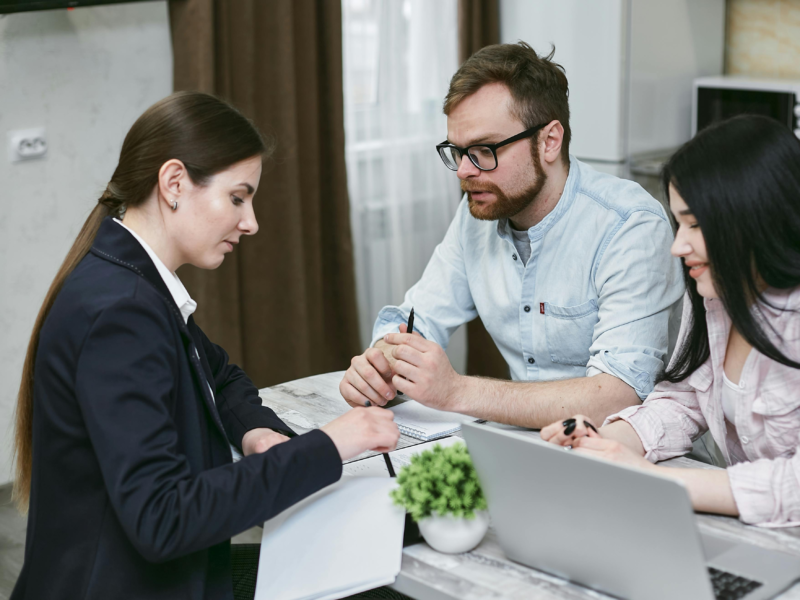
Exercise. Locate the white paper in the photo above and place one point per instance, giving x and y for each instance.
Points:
(375, 466)
(342, 540)
(425, 423)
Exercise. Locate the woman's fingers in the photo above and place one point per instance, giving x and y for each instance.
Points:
(565, 432)
(551, 430)
(597, 444)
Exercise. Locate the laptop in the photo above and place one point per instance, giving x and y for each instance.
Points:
(610, 527)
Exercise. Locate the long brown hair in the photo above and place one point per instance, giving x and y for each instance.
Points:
(207, 135)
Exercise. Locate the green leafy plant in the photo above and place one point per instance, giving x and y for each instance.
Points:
(441, 480)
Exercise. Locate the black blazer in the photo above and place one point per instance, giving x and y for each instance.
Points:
(134, 494)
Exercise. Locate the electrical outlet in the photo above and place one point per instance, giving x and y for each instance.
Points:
(27, 144)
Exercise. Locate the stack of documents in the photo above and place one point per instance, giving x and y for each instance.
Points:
(345, 539)
(418, 421)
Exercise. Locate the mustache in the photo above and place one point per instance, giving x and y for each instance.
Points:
(467, 186)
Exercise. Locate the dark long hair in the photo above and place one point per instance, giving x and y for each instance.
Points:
(741, 180)
(208, 135)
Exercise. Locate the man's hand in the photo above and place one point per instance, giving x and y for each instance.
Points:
(260, 440)
(423, 371)
(369, 378)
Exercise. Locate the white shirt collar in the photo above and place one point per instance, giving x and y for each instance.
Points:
(186, 305)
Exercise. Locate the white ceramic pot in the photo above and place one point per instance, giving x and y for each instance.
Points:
(454, 535)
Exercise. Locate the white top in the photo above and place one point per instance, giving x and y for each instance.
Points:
(186, 305)
(730, 396)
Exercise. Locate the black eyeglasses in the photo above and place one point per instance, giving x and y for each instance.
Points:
(483, 156)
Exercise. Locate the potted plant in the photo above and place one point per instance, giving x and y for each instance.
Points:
(441, 492)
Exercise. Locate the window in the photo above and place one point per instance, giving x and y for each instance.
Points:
(399, 56)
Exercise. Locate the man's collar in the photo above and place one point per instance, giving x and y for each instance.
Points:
(564, 202)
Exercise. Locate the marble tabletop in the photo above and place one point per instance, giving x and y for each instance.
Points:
(485, 572)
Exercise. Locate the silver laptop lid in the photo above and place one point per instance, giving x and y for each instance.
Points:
(605, 526)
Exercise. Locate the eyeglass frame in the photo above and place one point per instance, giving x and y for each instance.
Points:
(493, 147)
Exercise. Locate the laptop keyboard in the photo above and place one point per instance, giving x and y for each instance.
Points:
(728, 586)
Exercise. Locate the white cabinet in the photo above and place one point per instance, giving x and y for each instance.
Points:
(630, 66)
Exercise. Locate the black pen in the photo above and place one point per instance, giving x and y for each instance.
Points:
(409, 329)
(386, 458)
(389, 464)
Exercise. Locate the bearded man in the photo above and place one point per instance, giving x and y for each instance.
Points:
(568, 268)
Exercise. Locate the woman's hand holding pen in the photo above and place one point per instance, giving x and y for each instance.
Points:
(581, 434)
(365, 429)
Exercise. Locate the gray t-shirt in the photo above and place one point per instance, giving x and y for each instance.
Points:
(522, 243)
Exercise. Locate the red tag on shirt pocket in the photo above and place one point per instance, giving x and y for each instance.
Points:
(541, 307)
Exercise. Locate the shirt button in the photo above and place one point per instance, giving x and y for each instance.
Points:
(745, 439)
(527, 309)
(530, 360)
(514, 256)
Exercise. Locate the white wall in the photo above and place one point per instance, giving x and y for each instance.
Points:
(85, 75)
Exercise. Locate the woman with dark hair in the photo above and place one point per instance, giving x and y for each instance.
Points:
(734, 191)
(127, 411)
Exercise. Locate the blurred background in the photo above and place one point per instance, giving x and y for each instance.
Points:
(355, 199)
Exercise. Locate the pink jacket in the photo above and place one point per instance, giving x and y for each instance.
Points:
(762, 453)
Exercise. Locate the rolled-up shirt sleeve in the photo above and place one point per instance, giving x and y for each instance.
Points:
(767, 491)
(639, 285)
(667, 422)
(441, 299)
(670, 419)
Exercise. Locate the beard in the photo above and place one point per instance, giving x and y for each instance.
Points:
(504, 206)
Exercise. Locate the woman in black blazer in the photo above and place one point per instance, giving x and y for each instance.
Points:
(126, 410)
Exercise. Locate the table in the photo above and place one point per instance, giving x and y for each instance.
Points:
(485, 572)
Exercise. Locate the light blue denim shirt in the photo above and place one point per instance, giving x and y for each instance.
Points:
(600, 293)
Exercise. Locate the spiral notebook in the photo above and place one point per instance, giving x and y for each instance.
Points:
(423, 423)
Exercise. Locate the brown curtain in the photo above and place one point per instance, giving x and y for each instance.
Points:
(283, 303)
(479, 26)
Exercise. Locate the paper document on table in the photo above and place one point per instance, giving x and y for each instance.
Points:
(375, 466)
(419, 421)
(345, 539)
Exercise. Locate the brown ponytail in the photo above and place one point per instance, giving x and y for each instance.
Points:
(207, 135)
